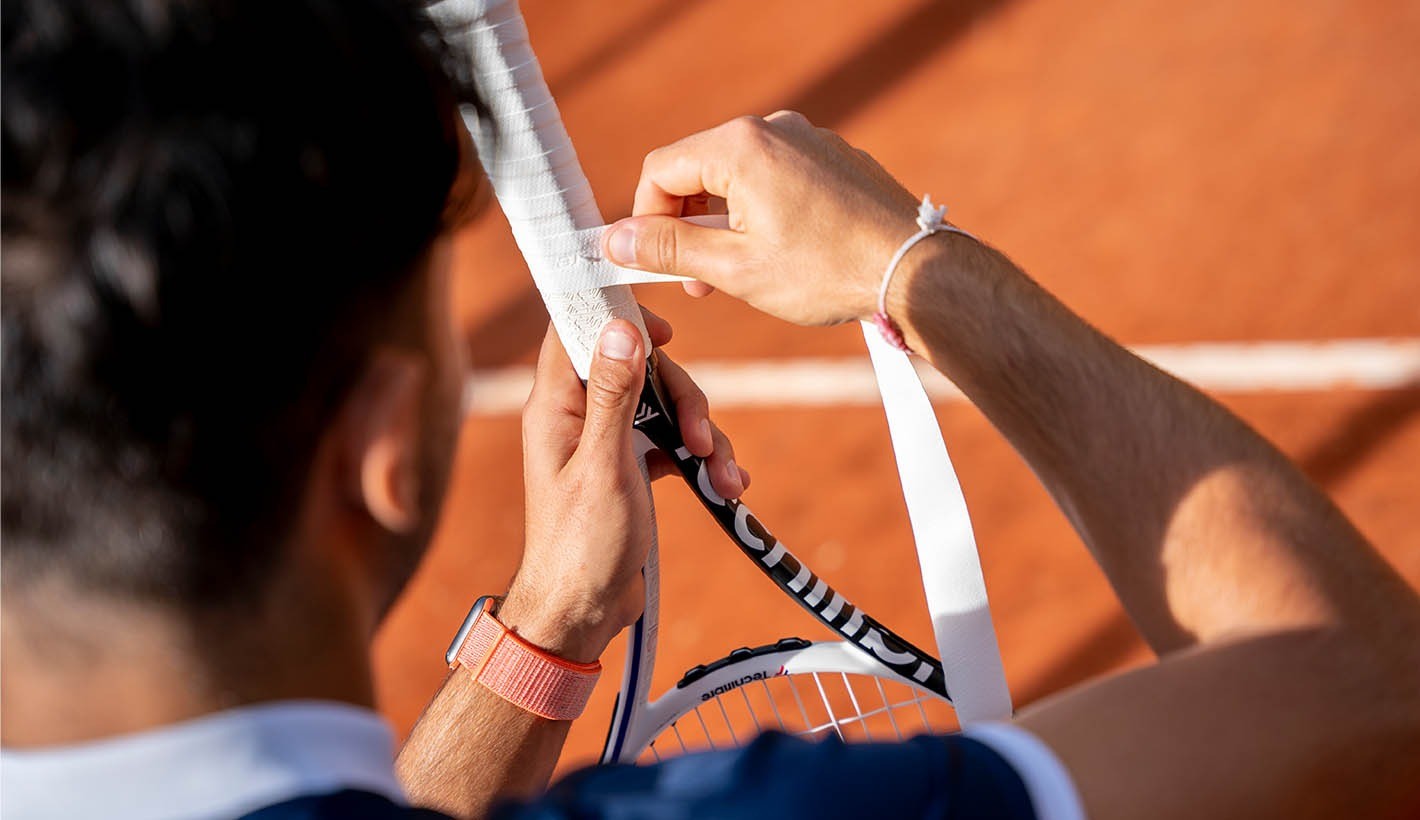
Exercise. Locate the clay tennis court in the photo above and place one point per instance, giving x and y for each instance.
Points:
(1193, 178)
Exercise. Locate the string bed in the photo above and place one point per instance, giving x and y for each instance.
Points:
(854, 708)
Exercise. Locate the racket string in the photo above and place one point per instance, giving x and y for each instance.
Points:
(882, 695)
(851, 707)
(704, 728)
(857, 710)
(828, 706)
(774, 705)
(729, 726)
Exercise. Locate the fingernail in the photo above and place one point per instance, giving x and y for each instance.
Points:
(618, 344)
(703, 428)
(734, 473)
(621, 245)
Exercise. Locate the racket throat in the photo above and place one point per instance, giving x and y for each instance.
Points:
(655, 420)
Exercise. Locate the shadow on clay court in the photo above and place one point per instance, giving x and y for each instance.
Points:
(645, 27)
(1107, 645)
(859, 77)
(1362, 432)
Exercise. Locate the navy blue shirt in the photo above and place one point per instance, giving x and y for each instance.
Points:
(349, 804)
(778, 776)
(773, 777)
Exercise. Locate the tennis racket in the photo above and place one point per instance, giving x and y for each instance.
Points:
(871, 684)
(798, 687)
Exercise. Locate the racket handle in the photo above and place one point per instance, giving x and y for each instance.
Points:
(533, 169)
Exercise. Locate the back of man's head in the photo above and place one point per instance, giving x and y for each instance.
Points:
(209, 209)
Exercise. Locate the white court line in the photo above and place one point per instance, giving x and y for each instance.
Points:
(1219, 367)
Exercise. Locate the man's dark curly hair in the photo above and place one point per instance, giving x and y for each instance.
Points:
(209, 207)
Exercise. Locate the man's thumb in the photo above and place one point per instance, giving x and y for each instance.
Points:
(613, 390)
(664, 244)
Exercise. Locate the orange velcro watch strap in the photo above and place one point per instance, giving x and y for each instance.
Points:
(524, 675)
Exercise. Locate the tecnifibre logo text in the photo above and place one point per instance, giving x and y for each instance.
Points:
(738, 682)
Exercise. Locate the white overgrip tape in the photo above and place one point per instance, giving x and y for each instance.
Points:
(574, 262)
(946, 548)
(538, 181)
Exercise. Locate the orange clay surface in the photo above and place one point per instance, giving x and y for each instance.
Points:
(1176, 172)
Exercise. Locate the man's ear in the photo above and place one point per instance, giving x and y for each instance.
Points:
(381, 439)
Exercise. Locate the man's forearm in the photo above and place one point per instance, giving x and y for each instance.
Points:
(1299, 696)
(471, 749)
(1203, 528)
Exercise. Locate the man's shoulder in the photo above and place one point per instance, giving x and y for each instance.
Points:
(348, 804)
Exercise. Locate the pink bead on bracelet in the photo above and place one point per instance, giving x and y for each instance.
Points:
(930, 219)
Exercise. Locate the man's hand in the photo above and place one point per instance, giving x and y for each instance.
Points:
(588, 532)
(813, 220)
(588, 512)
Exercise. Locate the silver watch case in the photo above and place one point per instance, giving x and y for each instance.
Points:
(487, 602)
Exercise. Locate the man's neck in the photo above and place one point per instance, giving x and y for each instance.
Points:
(76, 669)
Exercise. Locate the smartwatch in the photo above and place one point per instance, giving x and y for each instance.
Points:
(525, 675)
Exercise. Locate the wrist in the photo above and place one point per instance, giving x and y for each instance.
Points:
(924, 283)
(565, 630)
(875, 247)
(517, 670)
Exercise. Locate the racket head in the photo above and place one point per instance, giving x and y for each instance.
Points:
(794, 686)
